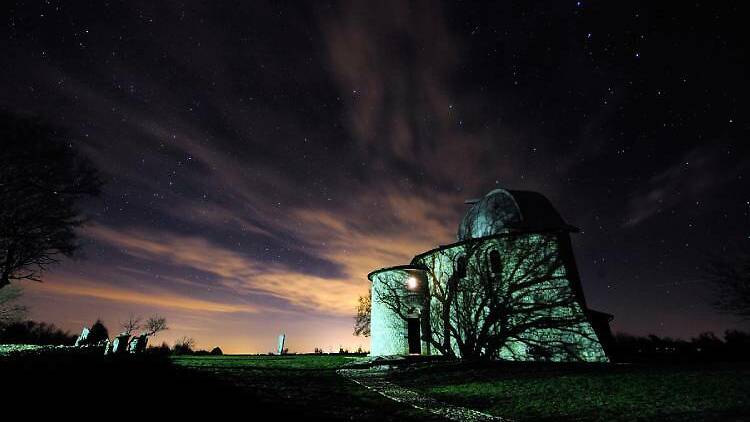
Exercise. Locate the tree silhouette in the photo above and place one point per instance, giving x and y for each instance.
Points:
(155, 324)
(362, 318)
(98, 332)
(42, 180)
(130, 325)
(184, 346)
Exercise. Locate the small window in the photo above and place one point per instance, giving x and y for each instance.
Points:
(496, 263)
(460, 269)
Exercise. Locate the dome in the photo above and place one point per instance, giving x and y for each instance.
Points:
(503, 210)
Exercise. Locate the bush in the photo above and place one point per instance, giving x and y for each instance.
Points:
(707, 347)
(184, 346)
(738, 344)
(216, 351)
(161, 350)
(97, 333)
(40, 333)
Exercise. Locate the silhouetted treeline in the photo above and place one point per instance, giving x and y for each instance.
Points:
(183, 346)
(707, 347)
(214, 352)
(31, 332)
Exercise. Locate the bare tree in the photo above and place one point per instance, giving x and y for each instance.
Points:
(362, 319)
(130, 325)
(42, 180)
(155, 324)
(730, 276)
(10, 311)
(184, 346)
(484, 296)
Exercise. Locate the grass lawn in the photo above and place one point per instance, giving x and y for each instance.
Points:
(261, 362)
(91, 387)
(308, 388)
(303, 384)
(590, 393)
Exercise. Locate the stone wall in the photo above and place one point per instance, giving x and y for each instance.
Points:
(388, 329)
(582, 343)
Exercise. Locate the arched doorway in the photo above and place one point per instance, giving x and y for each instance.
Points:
(413, 334)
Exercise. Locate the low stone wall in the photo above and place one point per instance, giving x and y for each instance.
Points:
(34, 349)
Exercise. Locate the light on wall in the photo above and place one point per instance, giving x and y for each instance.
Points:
(412, 283)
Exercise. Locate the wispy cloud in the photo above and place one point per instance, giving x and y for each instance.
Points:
(356, 245)
(689, 179)
(160, 300)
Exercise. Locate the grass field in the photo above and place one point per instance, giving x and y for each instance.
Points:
(591, 393)
(307, 387)
(304, 384)
(92, 387)
(262, 362)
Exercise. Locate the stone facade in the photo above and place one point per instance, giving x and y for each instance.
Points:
(502, 243)
(389, 333)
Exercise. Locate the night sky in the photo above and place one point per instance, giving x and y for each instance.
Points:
(261, 159)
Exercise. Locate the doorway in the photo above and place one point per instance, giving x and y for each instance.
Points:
(415, 344)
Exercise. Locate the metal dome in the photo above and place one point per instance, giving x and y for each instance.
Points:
(502, 211)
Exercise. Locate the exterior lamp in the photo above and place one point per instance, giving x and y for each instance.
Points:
(412, 283)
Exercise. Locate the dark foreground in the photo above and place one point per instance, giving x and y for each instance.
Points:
(247, 387)
(581, 392)
(308, 388)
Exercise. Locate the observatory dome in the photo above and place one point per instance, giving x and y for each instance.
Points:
(502, 211)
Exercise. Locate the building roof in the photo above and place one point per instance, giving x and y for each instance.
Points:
(504, 210)
(406, 268)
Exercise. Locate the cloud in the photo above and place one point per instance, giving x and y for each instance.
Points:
(690, 179)
(393, 65)
(358, 245)
(233, 270)
(94, 288)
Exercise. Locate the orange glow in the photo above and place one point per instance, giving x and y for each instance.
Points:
(249, 300)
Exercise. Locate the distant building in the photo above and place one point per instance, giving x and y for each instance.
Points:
(499, 229)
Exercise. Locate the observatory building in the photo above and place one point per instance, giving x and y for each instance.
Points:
(507, 289)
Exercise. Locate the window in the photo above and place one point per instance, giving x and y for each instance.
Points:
(496, 263)
(460, 268)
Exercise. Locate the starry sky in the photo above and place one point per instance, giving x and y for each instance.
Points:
(262, 158)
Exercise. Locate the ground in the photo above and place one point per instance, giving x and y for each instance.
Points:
(308, 387)
(595, 392)
(90, 387)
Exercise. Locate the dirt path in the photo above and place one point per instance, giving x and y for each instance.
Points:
(376, 381)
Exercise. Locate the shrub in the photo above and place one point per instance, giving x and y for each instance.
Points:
(30, 332)
(184, 346)
(98, 332)
(161, 350)
(707, 347)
